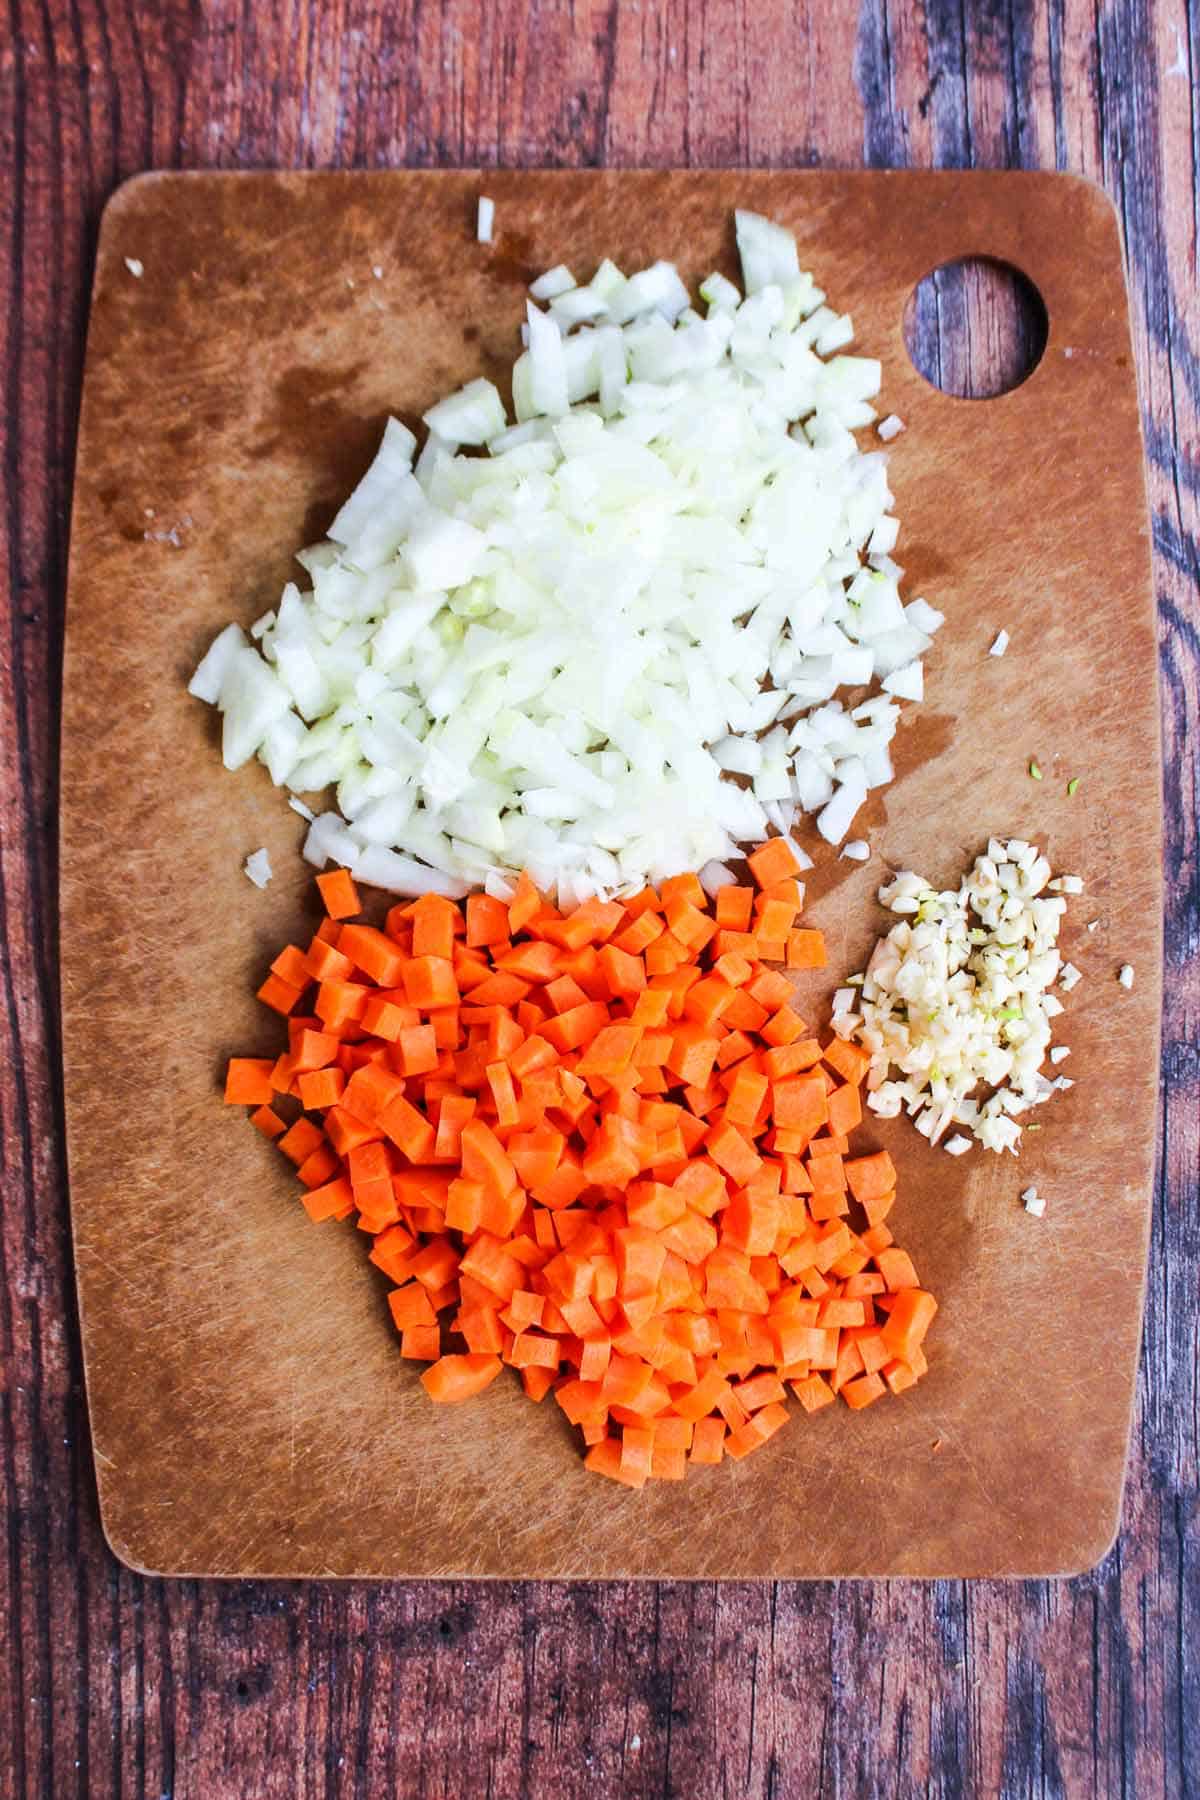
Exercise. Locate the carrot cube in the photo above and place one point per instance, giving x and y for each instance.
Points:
(776, 860)
(248, 1081)
(806, 949)
(339, 894)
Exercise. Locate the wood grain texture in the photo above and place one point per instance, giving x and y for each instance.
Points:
(110, 1684)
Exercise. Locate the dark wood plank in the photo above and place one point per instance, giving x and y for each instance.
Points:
(110, 1684)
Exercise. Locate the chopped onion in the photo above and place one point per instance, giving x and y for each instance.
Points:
(214, 666)
(833, 820)
(906, 683)
(999, 644)
(554, 282)
(258, 868)
(714, 876)
(485, 219)
(1125, 975)
(551, 655)
(471, 416)
(890, 428)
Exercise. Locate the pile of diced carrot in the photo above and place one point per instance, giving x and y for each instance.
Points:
(603, 1148)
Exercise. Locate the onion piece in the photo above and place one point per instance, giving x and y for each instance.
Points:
(258, 867)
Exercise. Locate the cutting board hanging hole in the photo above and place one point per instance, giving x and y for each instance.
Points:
(975, 328)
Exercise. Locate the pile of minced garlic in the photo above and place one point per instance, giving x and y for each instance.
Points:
(957, 995)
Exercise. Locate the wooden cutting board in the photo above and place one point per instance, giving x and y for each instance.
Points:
(250, 1413)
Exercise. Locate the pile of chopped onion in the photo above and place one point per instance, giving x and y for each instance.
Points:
(551, 655)
(957, 995)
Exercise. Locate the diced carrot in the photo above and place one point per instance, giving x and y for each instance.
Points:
(905, 1327)
(341, 1003)
(301, 1140)
(862, 1390)
(370, 1090)
(760, 1391)
(434, 920)
(624, 974)
(430, 981)
(320, 1088)
(746, 1095)
(898, 1375)
(418, 1049)
(756, 1431)
(788, 1059)
(775, 920)
(870, 1176)
(610, 1050)
(693, 1052)
(603, 1141)
(248, 1081)
(845, 1109)
(324, 963)
(826, 1171)
(423, 1342)
(339, 894)
(773, 861)
(576, 1027)
(268, 1121)
(813, 1393)
(848, 1060)
(708, 1437)
(487, 921)
(639, 934)
(525, 904)
(454, 1378)
(896, 1268)
(878, 1207)
(799, 1103)
(408, 1129)
(280, 995)
(806, 949)
(731, 1153)
(485, 1160)
(333, 1201)
(783, 1027)
(374, 952)
(735, 943)
(605, 1458)
(734, 908)
(538, 1382)
(534, 961)
(344, 1130)
(411, 1305)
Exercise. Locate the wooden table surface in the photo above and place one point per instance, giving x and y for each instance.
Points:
(111, 1684)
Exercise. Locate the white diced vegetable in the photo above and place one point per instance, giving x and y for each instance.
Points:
(557, 653)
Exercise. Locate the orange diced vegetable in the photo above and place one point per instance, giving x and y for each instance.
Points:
(599, 1145)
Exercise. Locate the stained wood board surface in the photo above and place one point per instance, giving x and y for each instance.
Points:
(249, 1411)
